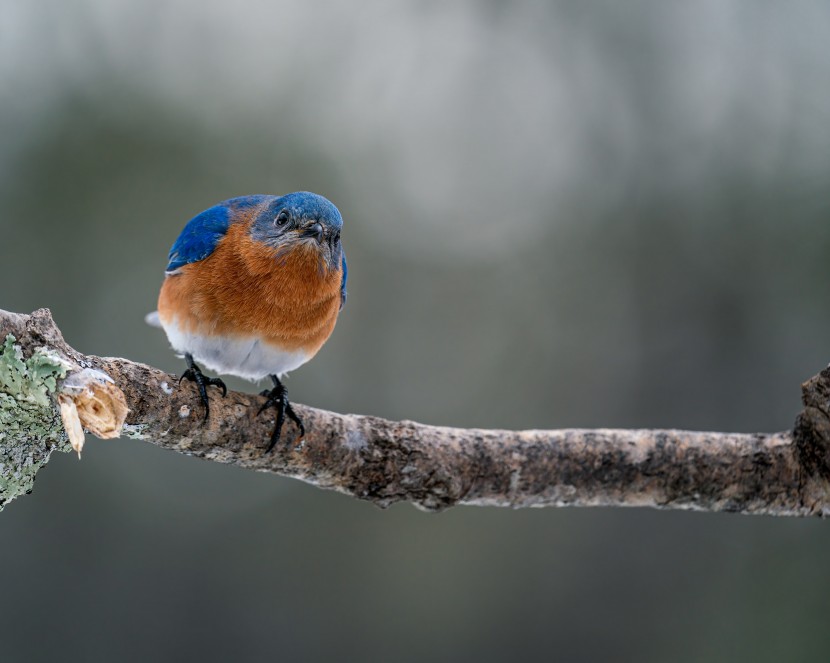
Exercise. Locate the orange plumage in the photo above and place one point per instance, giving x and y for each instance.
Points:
(245, 288)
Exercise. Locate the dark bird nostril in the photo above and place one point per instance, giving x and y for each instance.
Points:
(316, 230)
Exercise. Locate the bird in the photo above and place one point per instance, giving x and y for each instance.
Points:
(253, 288)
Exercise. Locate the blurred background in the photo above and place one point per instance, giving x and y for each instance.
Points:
(557, 214)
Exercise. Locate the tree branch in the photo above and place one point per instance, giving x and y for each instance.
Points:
(432, 467)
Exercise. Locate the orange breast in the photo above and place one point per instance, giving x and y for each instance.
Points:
(244, 289)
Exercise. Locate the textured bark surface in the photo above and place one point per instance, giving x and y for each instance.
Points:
(437, 467)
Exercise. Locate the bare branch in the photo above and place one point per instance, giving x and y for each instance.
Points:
(433, 467)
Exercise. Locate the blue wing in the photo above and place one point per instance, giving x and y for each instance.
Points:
(343, 283)
(199, 237)
(203, 232)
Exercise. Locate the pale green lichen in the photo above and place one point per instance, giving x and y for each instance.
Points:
(30, 425)
(135, 431)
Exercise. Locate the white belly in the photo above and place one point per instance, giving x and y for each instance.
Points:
(244, 356)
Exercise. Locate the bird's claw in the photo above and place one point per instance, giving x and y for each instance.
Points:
(194, 374)
(278, 398)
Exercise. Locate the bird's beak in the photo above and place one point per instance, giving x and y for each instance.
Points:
(314, 230)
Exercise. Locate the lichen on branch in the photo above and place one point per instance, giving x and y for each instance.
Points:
(30, 426)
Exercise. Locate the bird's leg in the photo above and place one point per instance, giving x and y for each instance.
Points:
(278, 397)
(194, 374)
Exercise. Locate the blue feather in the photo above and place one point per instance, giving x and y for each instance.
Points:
(343, 282)
(202, 233)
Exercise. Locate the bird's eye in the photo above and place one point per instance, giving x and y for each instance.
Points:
(282, 218)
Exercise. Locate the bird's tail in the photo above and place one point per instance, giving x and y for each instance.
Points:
(152, 319)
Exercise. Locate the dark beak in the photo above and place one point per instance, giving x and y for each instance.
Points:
(315, 230)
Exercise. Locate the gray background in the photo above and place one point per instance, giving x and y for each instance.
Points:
(557, 214)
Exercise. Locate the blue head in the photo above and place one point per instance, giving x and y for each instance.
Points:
(301, 219)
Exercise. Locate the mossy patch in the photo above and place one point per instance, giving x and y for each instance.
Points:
(30, 425)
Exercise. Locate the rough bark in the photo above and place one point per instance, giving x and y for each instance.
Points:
(437, 467)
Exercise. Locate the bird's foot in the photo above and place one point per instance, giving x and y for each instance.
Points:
(278, 398)
(194, 374)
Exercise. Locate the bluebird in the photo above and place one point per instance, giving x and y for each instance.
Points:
(253, 288)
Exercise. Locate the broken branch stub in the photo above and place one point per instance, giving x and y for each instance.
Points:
(91, 399)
